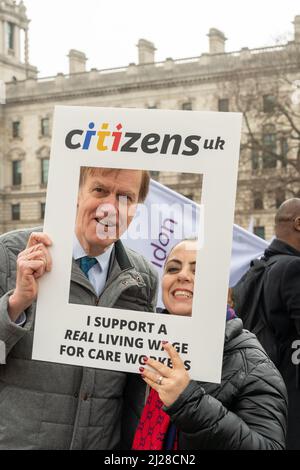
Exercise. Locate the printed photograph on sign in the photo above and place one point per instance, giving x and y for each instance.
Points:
(114, 204)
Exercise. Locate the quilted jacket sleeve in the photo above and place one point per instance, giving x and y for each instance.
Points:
(10, 333)
(256, 419)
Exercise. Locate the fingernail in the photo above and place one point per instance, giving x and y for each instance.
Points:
(165, 342)
(145, 359)
(142, 369)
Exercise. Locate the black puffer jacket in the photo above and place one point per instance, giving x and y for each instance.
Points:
(247, 411)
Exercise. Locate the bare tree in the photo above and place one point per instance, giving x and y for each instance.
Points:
(270, 147)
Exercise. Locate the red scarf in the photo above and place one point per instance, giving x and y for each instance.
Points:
(153, 426)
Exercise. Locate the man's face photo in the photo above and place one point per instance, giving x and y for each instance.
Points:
(107, 202)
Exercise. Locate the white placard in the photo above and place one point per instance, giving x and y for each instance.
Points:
(210, 146)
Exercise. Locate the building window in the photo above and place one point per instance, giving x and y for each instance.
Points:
(44, 170)
(17, 173)
(269, 150)
(15, 212)
(16, 129)
(284, 148)
(269, 102)
(223, 105)
(10, 32)
(154, 175)
(255, 158)
(43, 207)
(45, 127)
(259, 231)
(187, 106)
(258, 202)
(279, 197)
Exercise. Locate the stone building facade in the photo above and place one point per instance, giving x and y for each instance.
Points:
(214, 81)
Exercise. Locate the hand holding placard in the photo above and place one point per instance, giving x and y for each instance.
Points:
(168, 382)
(32, 264)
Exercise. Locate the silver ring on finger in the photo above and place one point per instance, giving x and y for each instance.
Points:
(159, 380)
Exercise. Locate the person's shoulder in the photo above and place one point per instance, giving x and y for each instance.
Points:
(16, 240)
(259, 368)
(246, 355)
(282, 253)
(245, 345)
(290, 269)
(237, 338)
(286, 268)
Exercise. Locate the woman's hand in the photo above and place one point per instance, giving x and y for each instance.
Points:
(169, 383)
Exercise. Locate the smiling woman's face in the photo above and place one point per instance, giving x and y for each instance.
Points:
(178, 279)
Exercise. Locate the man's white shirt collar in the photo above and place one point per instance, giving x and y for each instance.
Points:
(103, 259)
(98, 273)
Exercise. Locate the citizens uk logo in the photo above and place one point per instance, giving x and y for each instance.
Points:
(115, 139)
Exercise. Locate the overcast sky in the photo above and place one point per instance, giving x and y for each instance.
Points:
(108, 31)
